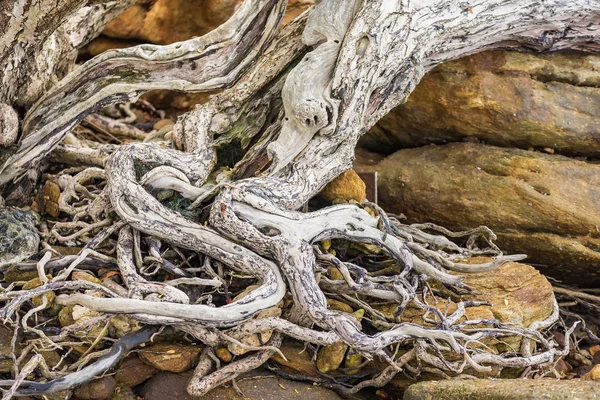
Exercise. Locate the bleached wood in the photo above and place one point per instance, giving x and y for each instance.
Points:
(324, 80)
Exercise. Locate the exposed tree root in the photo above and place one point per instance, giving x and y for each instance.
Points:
(298, 100)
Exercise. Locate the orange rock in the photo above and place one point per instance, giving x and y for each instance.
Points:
(345, 188)
(46, 201)
(162, 123)
(170, 356)
(103, 43)
(169, 21)
(593, 375)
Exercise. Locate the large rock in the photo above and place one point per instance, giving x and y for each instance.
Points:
(545, 206)
(519, 296)
(487, 389)
(169, 21)
(254, 385)
(502, 98)
(6, 361)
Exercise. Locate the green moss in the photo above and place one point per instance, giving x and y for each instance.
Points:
(178, 203)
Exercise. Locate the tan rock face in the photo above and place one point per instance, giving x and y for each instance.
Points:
(169, 21)
(593, 375)
(519, 294)
(486, 389)
(254, 385)
(546, 206)
(502, 98)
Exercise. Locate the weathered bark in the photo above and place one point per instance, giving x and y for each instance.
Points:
(39, 40)
(307, 92)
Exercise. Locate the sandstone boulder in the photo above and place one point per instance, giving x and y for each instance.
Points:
(169, 21)
(254, 385)
(503, 98)
(519, 296)
(488, 389)
(545, 206)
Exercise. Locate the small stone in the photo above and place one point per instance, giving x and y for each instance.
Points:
(593, 374)
(167, 385)
(134, 371)
(170, 356)
(582, 370)
(352, 361)
(331, 357)
(162, 123)
(38, 300)
(224, 354)
(594, 349)
(51, 357)
(580, 358)
(335, 274)
(19, 238)
(62, 395)
(98, 389)
(123, 393)
(71, 314)
(347, 187)
(339, 306)
(297, 360)
(562, 367)
(254, 340)
(6, 336)
(548, 150)
(121, 325)
(65, 316)
(359, 314)
(46, 201)
(13, 274)
(85, 276)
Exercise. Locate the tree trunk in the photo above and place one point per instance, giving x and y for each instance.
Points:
(296, 101)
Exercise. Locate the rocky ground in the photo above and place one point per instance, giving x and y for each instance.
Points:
(502, 139)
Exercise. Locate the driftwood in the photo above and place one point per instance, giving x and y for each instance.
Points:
(297, 98)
